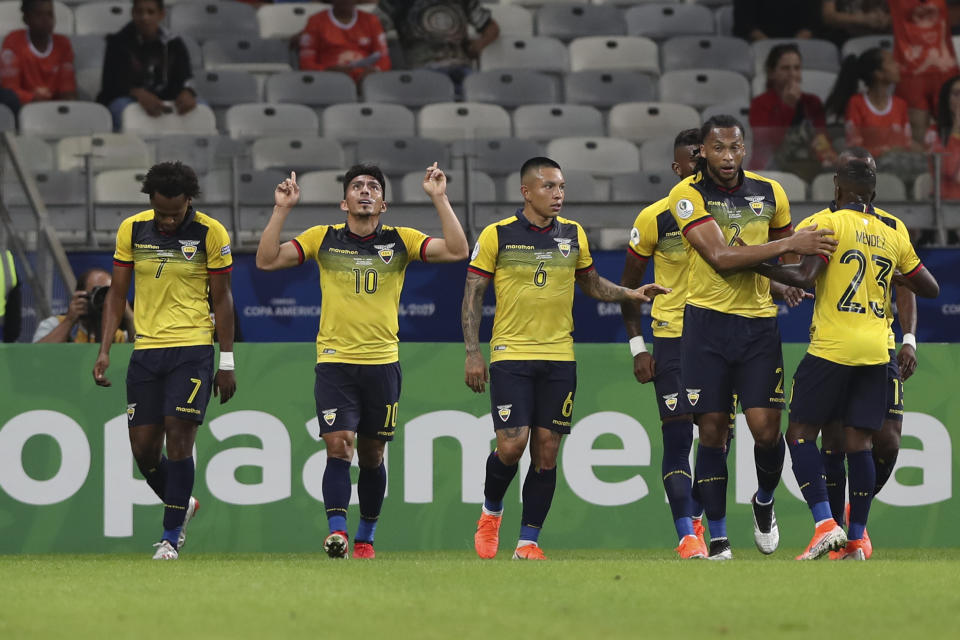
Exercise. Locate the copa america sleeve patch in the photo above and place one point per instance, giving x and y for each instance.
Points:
(476, 251)
(634, 236)
(684, 209)
(224, 250)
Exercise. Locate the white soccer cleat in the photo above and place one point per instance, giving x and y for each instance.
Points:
(165, 551)
(766, 533)
(192, 507)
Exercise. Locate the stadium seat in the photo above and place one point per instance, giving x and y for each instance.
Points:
(248, 54)
(819, 83)
(204, 20)
(100, 18)
(702, 87)
(58, 118)
(413, 88)
(793, 185)
(615, 52)
(286, 19)
(821, 189)
(600, 156)
(88, 51)
(399, 156)
(8, 122)
(193, 51)
(724, 19)
(200, 121)
(202, 152)
(37, 156)
(513, 20)
(656, 154)
(494, 156)
(88, 83)
(661, 21)
(817, 55)
(312, 88)
(458, 120)
(121, 186)
(856, 46)
(261, 119)
(707, 52)
(603, 89)
(544, 122)
(639, 121)
(296, 153)
(535, 53)
(581, 186)
(482, 187)
(62, 187)
(649, 186)
(325, 187)
(106, 151)
(739, 110)
(890, 188)
(569, 21)
(367, 120)
(923, 187)
(224, 88)
(11, 17)
(253, 187)
(510, 88)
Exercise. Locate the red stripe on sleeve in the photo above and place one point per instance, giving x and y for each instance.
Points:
(587, 269)
(479, 272)
(636, 253)
(696, 224)
(296, 244)
(221, 270)
(914, 271)
(825, 258)
(423, 249)
(122, 263)
(786, 227)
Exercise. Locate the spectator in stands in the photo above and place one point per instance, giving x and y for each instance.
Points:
(341, 38)
(82, 321)
(849, 18)
(923, 48)
(9, 99)
(145, 63)
(11, 296)
(433, 33)
(789, 126)
(761, 19)
(945, 139)
(36, 63)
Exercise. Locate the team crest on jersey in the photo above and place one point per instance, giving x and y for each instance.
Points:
(693, 396)
(563, 244)
(188, 248)
(329, 416)
(131, 409)
(756, 203)
(670, 400)
(503, 410)
(385, 251)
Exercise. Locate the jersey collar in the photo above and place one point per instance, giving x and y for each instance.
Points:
(706, 177)
(852, 206)
(187, 219)
(532, 227)
(371, 236)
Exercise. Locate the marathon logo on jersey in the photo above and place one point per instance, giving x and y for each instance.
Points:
(188, 248)
(756, 203)
(385, 251)
(563, 244)
(131, 409)
(693, 396)
(329, 416)
(503, 410)
(670, 400)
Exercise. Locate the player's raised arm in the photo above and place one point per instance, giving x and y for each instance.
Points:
(113, 307)
(453, 246)
(475, 368)
(271, 255)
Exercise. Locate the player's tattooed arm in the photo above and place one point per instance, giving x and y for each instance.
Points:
(602, 289)
(475, 368)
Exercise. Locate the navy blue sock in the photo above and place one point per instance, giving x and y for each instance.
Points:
(156, 476)
(836, 472)
(371, 486)
(177, 492)
(677, 479)
(884, 467)
(498, 479)
(336, 493)
(712, 480)
(808, 470)
(696, 507)
(538, 491)
(863, 480)
(769, 462)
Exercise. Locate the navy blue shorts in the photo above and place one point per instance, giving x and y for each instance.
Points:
(894, 389)
(666, 379)
(723, 352)
(363, 398)
(824, 391)
(170, 381)
(533, 393)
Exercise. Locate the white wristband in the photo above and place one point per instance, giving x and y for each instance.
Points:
(910, 339)
(226, 361)
(637, 346)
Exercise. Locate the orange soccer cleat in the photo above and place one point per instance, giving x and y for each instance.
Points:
(363, 550)
(853, 551)
(487, 538)
(698, 530)
(867, 544)
(828, 536)
(691, 547)
(529, 552)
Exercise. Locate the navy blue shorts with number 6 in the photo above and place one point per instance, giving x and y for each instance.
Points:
(533, 393)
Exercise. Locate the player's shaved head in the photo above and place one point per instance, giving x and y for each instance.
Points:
(687, 138)
(856, 153)
(686, 153)
(856, 181)
(534, 166)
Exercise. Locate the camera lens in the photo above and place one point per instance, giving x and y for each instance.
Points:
(98, 296)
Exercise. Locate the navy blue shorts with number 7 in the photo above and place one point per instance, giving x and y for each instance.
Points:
(169, 381)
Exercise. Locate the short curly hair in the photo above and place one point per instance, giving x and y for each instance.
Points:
(171, 179)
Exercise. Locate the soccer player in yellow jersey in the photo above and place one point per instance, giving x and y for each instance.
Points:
(534, 258)
(175, 256)
(731, 339)
(362, 263)
(844, 374)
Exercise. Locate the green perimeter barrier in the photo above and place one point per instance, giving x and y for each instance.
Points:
(68, 482)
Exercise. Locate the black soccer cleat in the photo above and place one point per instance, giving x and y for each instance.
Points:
(720, 549)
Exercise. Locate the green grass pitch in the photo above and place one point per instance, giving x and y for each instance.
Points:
(576, 594)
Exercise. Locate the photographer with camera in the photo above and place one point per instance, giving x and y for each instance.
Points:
(81, 322)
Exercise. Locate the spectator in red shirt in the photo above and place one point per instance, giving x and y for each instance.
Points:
(343, 39)
(789, 126)
(36, 63)
(945, 139)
